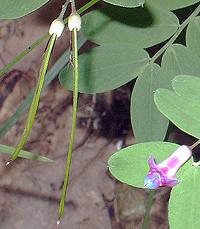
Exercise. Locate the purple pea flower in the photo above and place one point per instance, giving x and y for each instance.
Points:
(164, 174)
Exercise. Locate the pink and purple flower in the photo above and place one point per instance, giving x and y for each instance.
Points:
(164, 174)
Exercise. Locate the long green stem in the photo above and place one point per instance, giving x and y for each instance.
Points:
(38, 42)
(73, 128)
(36, 98)
(176, 34)
(147, 210)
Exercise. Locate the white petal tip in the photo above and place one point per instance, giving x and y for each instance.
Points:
(58, 223)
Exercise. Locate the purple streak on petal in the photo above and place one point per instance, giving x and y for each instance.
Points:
(176, 160)
(173, 162)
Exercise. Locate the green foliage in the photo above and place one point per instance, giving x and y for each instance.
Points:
(130, 165)
(174, 4)
(184, 200)
(179, 59)
(126, 3)
(141, 27)
(192, 36)
(11, 9)
(182, 106)
(106, 67)
(148, 123)
(176, 60)
(23, 154)
(122, 34)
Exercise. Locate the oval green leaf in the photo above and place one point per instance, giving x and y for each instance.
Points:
(11, 9)
(184, 201)
(130, 165)
(23, 154)
(142, 27)
(185, 85)
(177, 60)
(173, 4)
(106, 67)
(192, 36)
(147, 122)
(182, 106)
(126, 3)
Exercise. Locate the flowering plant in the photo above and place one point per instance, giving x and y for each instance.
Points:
(130, 165)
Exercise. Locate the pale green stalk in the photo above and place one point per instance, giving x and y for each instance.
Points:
(148, 206)
(36, 98)
(194, 145)
(73, 128)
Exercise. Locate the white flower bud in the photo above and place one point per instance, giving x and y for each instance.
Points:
(57, 27)
(74, 22)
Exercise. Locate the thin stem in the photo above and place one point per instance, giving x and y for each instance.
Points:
(194, 145)
(73, 128)
(147, 210)
(87, 6)
(38, 42)
(73, 6)
(8, 66)
(36, 98)
(176, 34)
(64, 8)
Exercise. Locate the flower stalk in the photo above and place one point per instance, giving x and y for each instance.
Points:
(55, 31)
(74, 25)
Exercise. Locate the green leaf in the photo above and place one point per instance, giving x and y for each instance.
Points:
(181, 107)
(106, 67)
(193, 35)
(177, 60)
(50, 76)
(184, 201)
(11, 9)
(130, 165)
(173, 4)
(148, 123)
(142, 27)
(23, 153)
(187, 85)
(126, 3)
